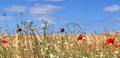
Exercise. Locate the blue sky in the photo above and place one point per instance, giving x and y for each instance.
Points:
(91, 15)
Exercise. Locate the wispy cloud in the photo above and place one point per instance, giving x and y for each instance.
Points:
(53, 0)
(4, 18)
(43, 11)
(15, 8)
(112, 8)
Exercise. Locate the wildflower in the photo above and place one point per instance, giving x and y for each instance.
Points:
(62, 30)
(58, 42)
(15, 45)
(116, 52)
(71, 45)
(48, 44)
(4, 41)
(44, 26)
(19, 29)
(79, 37)
(50, 22)
(110, 40)
(116, 46)
(28, 21)
(52, 56)
(118, 56)
(101, 55)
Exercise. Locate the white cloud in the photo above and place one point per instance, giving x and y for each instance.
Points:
(43, 9)
(54, 0)
(112, 8)
(15, 8)
(4, 18)
(43, 12)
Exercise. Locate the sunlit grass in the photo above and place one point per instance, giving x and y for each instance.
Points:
(27, 42)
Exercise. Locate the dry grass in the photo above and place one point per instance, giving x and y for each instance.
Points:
(26, 44)
(58, 46)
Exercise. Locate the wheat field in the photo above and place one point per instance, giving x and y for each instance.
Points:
(28, 42)
(59, 46)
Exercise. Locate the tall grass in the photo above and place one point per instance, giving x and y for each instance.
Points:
(29, 43)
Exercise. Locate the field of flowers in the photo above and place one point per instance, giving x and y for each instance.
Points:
(28, 42)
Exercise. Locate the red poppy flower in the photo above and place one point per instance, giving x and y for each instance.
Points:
(4, 41)
(62, 30)
(118, 56)
(110, 40)
(19, 29)
(79, 37)
(116, 46)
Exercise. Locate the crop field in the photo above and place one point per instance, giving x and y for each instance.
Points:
(59, 29)
(27, 42)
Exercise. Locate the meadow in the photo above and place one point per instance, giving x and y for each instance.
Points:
(28, 42)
